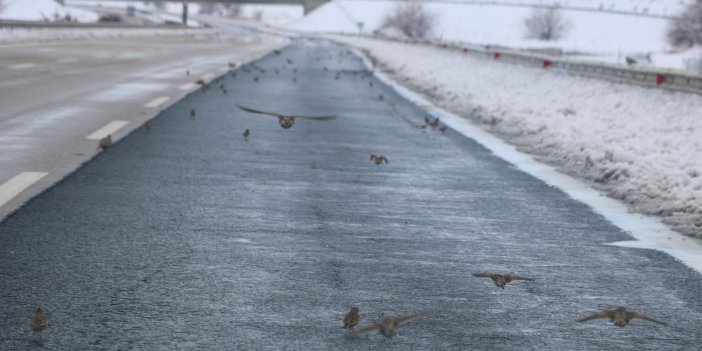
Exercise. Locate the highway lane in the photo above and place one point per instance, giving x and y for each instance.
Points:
(191, 237)
(53, 95)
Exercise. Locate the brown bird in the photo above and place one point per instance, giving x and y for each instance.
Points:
(246, 134)
(38, 322)
(285, 121)
(105, 142)
(501, 280)
(434, 123)
(147, 127)
(201, 82)
(443, 129)
(388, 326)
(192, 114)
(619, 316)
(378, 159)
(232, 64)
(277, 52)
(352, 318)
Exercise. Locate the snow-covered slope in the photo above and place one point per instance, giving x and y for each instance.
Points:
(602, 36)
(40, 10)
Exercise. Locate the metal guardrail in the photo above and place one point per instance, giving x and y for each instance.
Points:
(670, 79)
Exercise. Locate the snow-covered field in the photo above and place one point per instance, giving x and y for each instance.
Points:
(637, 144)
(43, 10)
(601, 35)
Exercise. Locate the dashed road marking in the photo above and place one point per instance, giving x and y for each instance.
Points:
(187, 86)
(19, 183)
(108, 129)
(157, 102)
(22, 65)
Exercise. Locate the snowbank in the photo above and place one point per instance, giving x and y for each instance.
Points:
(41, 10)
(640, 145)
(45, 35)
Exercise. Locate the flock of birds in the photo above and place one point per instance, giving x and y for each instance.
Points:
(387, 326)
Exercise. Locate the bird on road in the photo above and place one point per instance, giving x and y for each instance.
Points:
(619, 316)
(389, 325)
(501, 280)
(105, 142)
(285, 121)
(378, 159)
(381, 97)
(232, 64)
(434, 123)
(277, 52)
(443, 129)
(289, 61)
(38, 322)
(187, 72)
(246, 134)
(147, 127)
(352, 318)
(256, 79)
(630, 61)
(192, 113)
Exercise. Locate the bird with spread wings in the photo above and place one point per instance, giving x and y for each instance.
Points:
(619, 316)
(388, 326)
(285, 121)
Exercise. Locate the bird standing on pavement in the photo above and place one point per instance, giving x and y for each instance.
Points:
(378, 159)
(246, 134)
(619, 316)
(105, 142)
(147, 127)
(501, 280)
(38, 322)
(285, 121)
(192, 113)
(443, 129)
(388, 326)
(352, 318)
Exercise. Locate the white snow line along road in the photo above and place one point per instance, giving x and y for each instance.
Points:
(157, 102)
(208, 76)
(650, 232)
(67, 60)
(108, 129)
(187, 86)
(16, 185)
(22, 65)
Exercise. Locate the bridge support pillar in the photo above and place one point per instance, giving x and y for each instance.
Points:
(185, 13)
(311, 5)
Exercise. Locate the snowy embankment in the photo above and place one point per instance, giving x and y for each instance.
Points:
(46, 35)
(639, 145)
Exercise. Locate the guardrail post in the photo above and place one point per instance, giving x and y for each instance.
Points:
(465, 50)
(185, 12)
(496, 55)
(547, 63)
(660, 79)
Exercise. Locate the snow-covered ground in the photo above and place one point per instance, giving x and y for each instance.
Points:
(600, 35)
(47, 35)
(640, 145)
(44, 10)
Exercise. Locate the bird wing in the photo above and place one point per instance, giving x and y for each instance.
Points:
(632, 315)
(321, 118)
(484, 275)
(365, 329)
(601, 314)
(248, 109)
(516, 277)
(410, 316)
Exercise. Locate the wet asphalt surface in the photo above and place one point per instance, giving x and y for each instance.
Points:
(191, 237)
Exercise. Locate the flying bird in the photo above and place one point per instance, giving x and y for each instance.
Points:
(105, 142)
(501, 280)
(619, 316)
(378, 159)
(285, 121)
(352, 318)
(630, 61)
(388, 326)
(38, 322)
(434, 123)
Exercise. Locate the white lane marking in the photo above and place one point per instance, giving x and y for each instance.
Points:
(208, 76)
(108, 129)
(67, 60)
(16, 185)
(22, 65)
(187, 86)
(649, 232)
(157, 102)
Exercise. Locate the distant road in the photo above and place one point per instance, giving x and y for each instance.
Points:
(55, 95)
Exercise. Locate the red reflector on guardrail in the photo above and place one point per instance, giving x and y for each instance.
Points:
(465, 50)
(660, 79)
(496, 55)
(547, 63)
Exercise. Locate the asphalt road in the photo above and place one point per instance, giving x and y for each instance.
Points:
(191, 237)
(55, 94)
